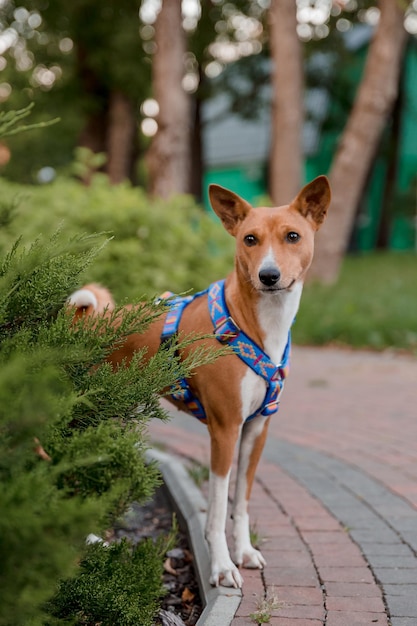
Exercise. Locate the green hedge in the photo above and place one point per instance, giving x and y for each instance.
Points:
(157, 245)
(72, 442)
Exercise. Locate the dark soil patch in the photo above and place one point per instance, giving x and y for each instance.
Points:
(182, 603)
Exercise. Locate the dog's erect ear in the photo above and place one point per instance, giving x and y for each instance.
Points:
(313, 201)
(230, 207)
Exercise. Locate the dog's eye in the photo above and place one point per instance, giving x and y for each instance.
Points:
(292, 237)
(250, 240)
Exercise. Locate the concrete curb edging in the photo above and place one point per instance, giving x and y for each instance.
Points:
(220, 603)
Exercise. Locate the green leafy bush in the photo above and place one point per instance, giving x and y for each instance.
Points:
(72, 444)
(72, 429)
(112, 585)
(157, 244)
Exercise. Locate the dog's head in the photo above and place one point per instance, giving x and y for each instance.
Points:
(274, 245)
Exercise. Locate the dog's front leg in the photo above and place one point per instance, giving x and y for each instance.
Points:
(223, 570)
(251, 446)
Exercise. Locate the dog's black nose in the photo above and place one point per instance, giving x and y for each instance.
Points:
(269, 276)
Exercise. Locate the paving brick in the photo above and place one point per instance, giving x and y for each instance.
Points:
(317, 522)
(410, 537)
(375, 535)
(336, 549)
(282, 544)
(253, 584)
(249, 604)
(268, 528)
(342, 618)
(299, 611)
(347, 558)
(355, 604)
(395, 576)
(294, 558)
(404, 524)
(401, 606)
(346, 574)
(289, 621)
(392, 561)
(359, 590)
(296, 576)
(309, 596)
(328, 537)
(409, 590)
(386, 549)
(355, 514)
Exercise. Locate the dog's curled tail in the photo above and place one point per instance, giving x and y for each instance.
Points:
(91, 299)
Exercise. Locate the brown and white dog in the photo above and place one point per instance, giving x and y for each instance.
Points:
(274, 249)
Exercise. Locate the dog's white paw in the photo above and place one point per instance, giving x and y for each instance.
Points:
(250, 558)
(227, 575)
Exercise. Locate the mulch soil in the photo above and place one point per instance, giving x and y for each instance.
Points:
(181, 606)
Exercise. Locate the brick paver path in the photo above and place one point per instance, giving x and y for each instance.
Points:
(335, 499)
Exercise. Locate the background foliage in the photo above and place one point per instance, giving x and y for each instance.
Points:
(174, 245)
(372, 305)
(157, 245)
(72, 442)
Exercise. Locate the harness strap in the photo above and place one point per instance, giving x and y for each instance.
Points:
(172, 320)
(181, 391)
(227, 332)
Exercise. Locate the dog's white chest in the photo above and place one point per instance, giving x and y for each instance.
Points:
(276, 315)
(253, 390)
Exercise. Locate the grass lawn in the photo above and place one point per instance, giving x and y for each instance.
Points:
(373, 304)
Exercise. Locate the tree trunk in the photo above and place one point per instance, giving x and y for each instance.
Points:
(392, 170)
(196, 152)
(93, 133)
(169, 154)
(374, 101)
(121, 132)
(287, 102)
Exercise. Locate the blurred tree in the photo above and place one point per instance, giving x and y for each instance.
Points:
(366, 117)
(215, 34)
(112, 70)
(358, 144)
(33, 69)
(286, 158)
(91, 62)
(168, 157)
(89, 59)
(199, 40)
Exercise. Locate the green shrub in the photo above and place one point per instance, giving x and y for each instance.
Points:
(72, 444)
(114, 586)
(157, 244)
(72, 430)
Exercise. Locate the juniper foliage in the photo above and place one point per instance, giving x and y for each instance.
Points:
(10, 120)
(72, 442)
(109, 582)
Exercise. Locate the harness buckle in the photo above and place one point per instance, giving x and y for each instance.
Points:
(226, 330)
(271, 407)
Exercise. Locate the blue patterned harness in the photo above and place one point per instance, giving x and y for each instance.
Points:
(227, 332)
